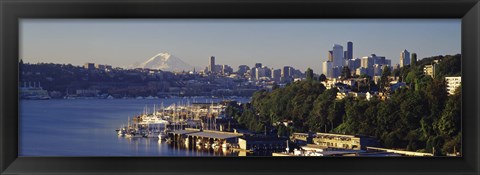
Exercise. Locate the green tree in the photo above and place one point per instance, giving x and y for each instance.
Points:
(449, 123)
(335, 113)
(384, 78)
(322, 77)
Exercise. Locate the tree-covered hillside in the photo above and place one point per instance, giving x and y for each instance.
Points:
(420, 117)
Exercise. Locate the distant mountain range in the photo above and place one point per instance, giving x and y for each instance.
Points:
(164, 61)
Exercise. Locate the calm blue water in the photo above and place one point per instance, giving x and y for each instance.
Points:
(87, 128)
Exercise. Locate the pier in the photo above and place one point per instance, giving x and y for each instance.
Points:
(195, 137)
(407, 153)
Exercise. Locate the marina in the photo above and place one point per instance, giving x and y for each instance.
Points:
(196, 126)
(87, 128)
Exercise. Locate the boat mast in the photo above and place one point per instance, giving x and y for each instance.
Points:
(154, 111)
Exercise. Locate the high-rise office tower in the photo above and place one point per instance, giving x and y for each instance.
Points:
(286, 72)
(211, 67)
(330, 56)
(276, 74)
(413, 59)
(404, 58)
(327, 69)
(349, 50)
(338, 56)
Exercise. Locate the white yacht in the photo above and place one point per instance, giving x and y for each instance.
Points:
(162, 136)
(133, 135)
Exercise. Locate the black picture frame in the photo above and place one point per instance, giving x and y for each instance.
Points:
(13, 10)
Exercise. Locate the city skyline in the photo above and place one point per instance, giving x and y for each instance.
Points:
(275, 43)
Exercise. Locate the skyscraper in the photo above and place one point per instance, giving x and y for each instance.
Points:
(276, 74)
(327, 69)
(286, 72)
(242, 69)
(253, 73)
(330, 56)
(404, 58)
(338, 56)
(350, 50)
(413, 59)
(211, 67)
(89, 66)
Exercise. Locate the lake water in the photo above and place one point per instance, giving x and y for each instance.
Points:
(87, 128)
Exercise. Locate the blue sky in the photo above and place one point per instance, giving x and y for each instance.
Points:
(301, 43)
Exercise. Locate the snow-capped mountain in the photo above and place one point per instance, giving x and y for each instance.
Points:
(166, 62)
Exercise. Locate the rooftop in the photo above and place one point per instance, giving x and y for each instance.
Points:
(215, 134)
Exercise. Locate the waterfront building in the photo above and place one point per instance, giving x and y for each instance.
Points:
(452, 84)
(255, 143)
(33, 92)
(87, 92)
(211, 66)
(404, 58)
(302, 138)
(354, 142)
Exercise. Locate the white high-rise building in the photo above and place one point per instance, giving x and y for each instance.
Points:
(452, 84)
(404, 58)
(327, 69)
(337, 54)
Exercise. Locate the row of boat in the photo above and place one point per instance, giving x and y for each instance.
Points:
(132, 133)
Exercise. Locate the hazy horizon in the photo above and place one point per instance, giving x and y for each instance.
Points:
(300, 43)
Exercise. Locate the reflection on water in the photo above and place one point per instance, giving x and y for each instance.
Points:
(87, 128)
